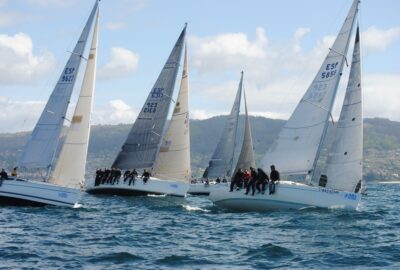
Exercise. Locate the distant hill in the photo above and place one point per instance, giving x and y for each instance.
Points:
(381, 144)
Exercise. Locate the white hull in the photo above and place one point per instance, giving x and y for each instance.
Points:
(288, 195)
(202, 188)
(153, 186)
(26, 192)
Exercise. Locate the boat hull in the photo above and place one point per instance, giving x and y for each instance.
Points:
(288, 195)
(139, 188)
(202, 189)
(22, 192)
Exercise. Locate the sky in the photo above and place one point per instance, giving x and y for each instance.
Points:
(279, 44)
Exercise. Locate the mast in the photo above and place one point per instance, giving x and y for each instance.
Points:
(346, 28)
(71, 164)
(144, 139)
(344, 163)
(298, 146)
(173, 160)
(40, 150)
(221, 162)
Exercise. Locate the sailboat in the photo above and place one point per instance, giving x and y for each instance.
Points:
(149, 147)
(297, 149)
(221, 163)
(62, 187)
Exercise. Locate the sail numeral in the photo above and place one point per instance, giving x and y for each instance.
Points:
(151, 107)
(318, 92)
(157, 93)
(68, 77)
(330, 71)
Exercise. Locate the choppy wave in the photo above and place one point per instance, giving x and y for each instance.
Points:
(111, 232)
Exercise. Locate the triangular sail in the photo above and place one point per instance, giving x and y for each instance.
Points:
(246, 157)
(173, 159)
(40, 149)
(141, 146)
(344, 164)
(221, 162)
(298, 145)
(71, 164)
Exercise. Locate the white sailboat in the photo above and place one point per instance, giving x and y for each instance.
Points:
(63, 185)
(298, 146)
(221, 163)
(166, 154)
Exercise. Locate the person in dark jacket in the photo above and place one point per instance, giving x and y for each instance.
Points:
(262, 180)
(252, 182)
(274, 176)
(3, 175)
(237, 179)
(145, 176)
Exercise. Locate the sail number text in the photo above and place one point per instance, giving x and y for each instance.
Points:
(151, 107)
(68, 75)
(157, 93)
(330, 70)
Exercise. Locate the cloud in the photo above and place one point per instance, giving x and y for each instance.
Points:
(122, 62)
(116, 112)
(382, 95)
(377, 40)
(18, 115)
(18, 64)
(115, 25)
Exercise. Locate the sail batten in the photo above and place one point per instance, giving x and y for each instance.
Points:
(173, 160)
(221, 161)
(344, 163)
(143, 142)
(299, 143)
(71, 164)
(41, 147)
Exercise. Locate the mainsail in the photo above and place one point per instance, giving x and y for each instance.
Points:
(344, 164)
(246, 157)
(298, 145)
(71, 164)
(142, 144)
(40, 149)
(173, 159)
(221, 162)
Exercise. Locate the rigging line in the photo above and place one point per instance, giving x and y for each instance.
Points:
(345, 57)
(322, 108)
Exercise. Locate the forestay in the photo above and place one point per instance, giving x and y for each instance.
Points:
(344, 164)
(40, 149)
(173, 161)
(142, 144)
(221, 162)
(297, 147)
(71, 164)
(246, 157)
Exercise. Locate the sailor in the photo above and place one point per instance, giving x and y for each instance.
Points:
(3, 175)
(246, 178)
(218, 180)
(126, 175)
(237, 179)
(98, 177)
(224, 180)
(252, 182)
(132, 177)
(14, 172)
(262, 180)
(274, 176)
(146, 175)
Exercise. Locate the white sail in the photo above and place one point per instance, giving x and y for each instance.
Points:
(42, 144)
(221, 161)
(246, 157)
(298, 145)
(71, 164)
(173, 160)
(344, 164)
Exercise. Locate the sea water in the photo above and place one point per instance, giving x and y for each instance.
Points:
(111, 232)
